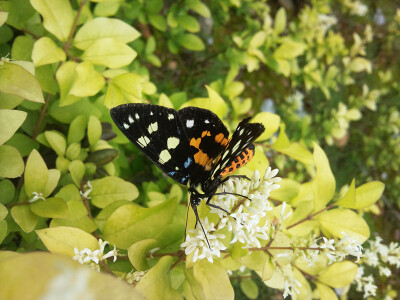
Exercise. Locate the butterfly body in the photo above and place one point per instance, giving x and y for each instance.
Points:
(191, 146)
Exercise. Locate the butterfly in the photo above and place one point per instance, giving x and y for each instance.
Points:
(191, 145)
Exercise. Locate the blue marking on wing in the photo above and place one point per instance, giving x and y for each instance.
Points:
(172, 173)
(187, 163)
(184, 178)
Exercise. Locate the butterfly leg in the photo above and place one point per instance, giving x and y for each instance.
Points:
(198, 221)
(235, 176)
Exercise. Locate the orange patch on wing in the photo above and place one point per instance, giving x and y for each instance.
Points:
(220, 139)
(205, 133)
(195, 142)
(238, 162)
(201, 158)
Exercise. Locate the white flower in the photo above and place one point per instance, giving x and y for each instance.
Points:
(133, 277)
(88, 189)
(197, 242)
(36, 196)
(87, 256)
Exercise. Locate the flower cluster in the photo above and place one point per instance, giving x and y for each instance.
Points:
(134, 277)
(92, 258)
(247, 218)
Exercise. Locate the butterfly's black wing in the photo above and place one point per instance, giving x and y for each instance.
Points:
(207, 137)
(239, 150)
(157, 132)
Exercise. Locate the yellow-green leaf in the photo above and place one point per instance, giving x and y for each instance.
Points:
(45, 51)
(335, 222)
(324, 183)
(24, 217)
(280, 21)
(156, 284)
(189, 23)
(339, 274)
(289, 50)
(360, 64)
(368, 194)
(325, 292)
(63, 240)
(57, 141)
(99, 28)
(65, 76)
(110, 189)
(15, 80)
(88, 81)
(57, 16)
(77, 170)
(94, 130)
(3, 212)
(36, 174)
(109, 52)
(137, 253)
(191, 42)
(258, 39)
(50, 208)
(213, 279)
(270, 121)
(10, 121)
(11, 162)
(53, 175)
(349, 199)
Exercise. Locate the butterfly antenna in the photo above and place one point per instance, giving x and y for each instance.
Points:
(201, 225)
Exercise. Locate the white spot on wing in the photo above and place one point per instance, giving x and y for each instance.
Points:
(164, 157)
(172, 142)
(153, 127)
(171, 117)
(126, 126)
(206, 121)
(130, 119)
(143, 141)
(151, 113)
(189, 123)
(137, 116)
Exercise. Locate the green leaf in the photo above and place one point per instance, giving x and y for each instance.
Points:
(77, 129)
(360, 64)
(3, 231)
(271, 123)
(68, 113)
(159, 277)
(45, 51)
(109, 52)
(57, 141)
(213, 279)
(280, 21)
(57, 16)
(130, 85)
(368, 194)
(9, 101)
(23, 143)
(53, 176)
(288, 190)
(99, 28)
(335, 222)
(106, 8)
(62, 240)
(339, 274)
(36, 174)
(24, 217)
(66, 76)
(50, 208)
(349, 199)
(131, 223)
(15, 80)
(88, 81)
(94, 130)
(189, 23)
(234, 89)
(324, 183)
(109, 189)
(199, 7)
(158, 21)
(258, 40)
(3, 212)
(191, 42)
(289, 50)
(7, 191)
(137, 253)
(150, 45)
(77, 170)
(11, 162)
(10, 121)
(73, 151)
(249, 288)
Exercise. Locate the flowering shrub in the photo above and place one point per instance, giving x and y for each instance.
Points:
(321, 76)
